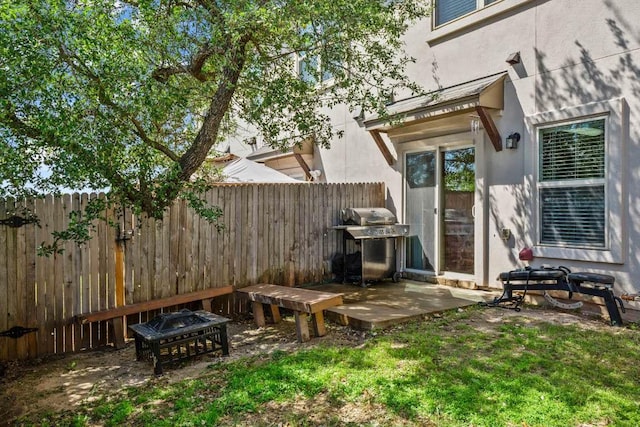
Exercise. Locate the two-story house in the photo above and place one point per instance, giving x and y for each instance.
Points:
(529, 137)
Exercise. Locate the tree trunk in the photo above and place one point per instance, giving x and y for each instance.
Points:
(208, 134)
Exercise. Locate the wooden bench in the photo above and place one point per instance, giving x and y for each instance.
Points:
(302, 301)
(117, 314)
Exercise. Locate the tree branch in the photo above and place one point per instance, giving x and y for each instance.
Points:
(71, 59)
(18, 125)
(199, 59)
(153, 143)
(214, 10)
(24, 129)
(194, 68)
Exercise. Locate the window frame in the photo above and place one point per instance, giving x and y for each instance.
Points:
(300, 56)
(480, 4)
(297, 62)
(443, 32)
(617, 133)
(572, 183)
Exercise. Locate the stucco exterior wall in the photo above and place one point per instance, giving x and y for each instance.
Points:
(572, 53)
(576, 56)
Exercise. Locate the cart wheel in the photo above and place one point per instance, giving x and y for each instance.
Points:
(396, 277)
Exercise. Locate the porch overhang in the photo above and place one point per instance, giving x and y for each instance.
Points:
(418, 114)
(302, 154)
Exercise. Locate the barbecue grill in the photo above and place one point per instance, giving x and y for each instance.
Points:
(376, 231)
(170, 338)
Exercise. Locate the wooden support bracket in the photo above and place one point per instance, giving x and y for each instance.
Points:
(382, 147)
(304, 166)
(490, 127)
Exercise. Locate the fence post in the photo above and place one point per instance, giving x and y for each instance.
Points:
(118, 322)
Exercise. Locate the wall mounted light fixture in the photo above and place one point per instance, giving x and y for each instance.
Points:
(512, 140)
(513, 58)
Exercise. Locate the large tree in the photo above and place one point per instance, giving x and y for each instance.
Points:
(132, 95)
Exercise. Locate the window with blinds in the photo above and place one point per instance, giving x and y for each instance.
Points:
(571, 184)
(448, 10)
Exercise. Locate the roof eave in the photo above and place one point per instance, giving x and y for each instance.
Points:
(489, 93)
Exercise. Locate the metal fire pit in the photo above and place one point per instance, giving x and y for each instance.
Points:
(170, 338)
(376, 231)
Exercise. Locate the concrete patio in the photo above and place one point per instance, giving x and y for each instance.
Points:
(385, 303)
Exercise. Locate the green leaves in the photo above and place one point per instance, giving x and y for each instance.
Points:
(79, 228)
(132, 96)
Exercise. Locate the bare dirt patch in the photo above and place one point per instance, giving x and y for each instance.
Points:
(64, 382)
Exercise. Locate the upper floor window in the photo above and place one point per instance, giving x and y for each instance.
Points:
(309, 66)
(449, 10)
(310, 69)
(572, 195)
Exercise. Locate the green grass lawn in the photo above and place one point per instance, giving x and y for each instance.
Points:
(443, 372)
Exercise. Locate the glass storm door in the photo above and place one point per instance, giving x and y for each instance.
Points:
(458, 184)
(421, 175)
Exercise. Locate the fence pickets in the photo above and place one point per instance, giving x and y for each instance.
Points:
(271, 233)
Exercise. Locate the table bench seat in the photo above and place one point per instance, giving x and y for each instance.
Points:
(115, 315)
(302, 302)
(561, 279)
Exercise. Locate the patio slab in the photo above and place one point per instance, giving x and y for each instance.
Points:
(384, 304)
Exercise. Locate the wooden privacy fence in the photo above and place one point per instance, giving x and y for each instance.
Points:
(272, 233)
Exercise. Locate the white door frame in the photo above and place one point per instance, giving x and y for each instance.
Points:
(440, 144)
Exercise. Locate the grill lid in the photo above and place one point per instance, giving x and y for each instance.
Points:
(367, 216)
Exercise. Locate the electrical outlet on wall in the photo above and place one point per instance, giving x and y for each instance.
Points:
(505, 234)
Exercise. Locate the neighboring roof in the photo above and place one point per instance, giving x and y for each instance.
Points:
(486, 92)
(266, 152)
(245, 170)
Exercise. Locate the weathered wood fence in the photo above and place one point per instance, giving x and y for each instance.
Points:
(275, 233)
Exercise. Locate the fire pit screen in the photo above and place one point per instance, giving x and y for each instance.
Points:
(170, 338)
